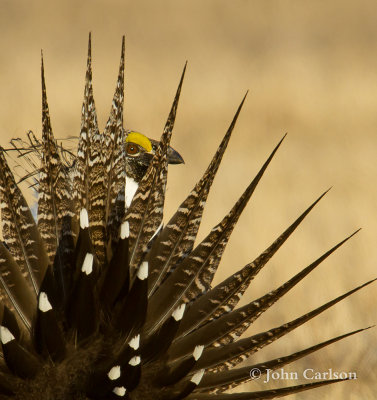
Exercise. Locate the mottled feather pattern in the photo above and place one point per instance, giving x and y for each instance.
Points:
(226, 357)
(90, 180)
(105, 163)
(146, 211)
(177, 239)
(89, 129)
(55, 192)
(225, 296)
(231, 326)
(103, 302)
(16, 292)
(229, 379)
(20, 233)
(97, 197)
(264, 394)
(115, 158)
(194, 275)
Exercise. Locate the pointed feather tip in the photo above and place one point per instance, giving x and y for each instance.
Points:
(87, 265)
(360, 330)
(114, 373)
(182, 77)
(368, 327)
(198, 351)
(122, 53)
(44, 304)
(282, 139)
(357, 231)
(134, 343)
(5, 335)
(275, 149)
(120, 391)
(135, 361)
(89, 47)
(236, 115)
(84, 219)
(325, 192)
(43, 74)
(142, 273)
(244, 98)
(197, 377)
(346, 239)
(317, 201)
(178, 312)
(350, 236)
(125, 230)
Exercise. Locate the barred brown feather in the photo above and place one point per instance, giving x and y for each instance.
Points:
(194, 274)
(225, 357)
(229, 379)
(89, 129)
(226, 295)
(146, 211)
(177, 239)
(114, 156)
(55, 198)
(102, 302)
(20, 232)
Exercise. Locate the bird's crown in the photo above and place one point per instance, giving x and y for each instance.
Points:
(139, 139)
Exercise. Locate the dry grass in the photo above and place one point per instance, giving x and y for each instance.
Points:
(311, 69)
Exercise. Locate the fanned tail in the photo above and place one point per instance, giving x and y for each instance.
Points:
(177, 239)
(194, 275)
(101, 301)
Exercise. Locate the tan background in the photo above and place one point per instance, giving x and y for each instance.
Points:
(311, 68)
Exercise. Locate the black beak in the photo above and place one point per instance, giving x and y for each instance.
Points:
(174, 157)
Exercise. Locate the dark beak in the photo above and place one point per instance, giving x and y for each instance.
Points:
(174, 157)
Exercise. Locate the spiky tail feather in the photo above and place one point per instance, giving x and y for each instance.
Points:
(92, 311)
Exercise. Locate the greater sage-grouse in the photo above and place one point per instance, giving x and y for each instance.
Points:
(101, 301)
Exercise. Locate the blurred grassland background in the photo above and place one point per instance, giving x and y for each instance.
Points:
(311, 68)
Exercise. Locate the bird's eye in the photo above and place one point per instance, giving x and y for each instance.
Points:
(132, 149)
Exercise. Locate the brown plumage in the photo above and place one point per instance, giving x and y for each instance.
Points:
(99, 301)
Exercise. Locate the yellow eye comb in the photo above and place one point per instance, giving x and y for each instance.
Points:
(140, 139)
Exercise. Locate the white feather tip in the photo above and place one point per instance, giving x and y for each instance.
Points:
(143, 271)
(114, 373)
(125, 230)
(135, 361)
(197, 377)
(198, 352)
(178, 312)
(44, 304)
(135, 342)
(5, 335)
(119, 391)
(87, 265)
(84, 219)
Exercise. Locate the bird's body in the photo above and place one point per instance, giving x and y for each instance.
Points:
(102, 302)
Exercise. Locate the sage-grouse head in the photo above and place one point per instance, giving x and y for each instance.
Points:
(100, 300)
